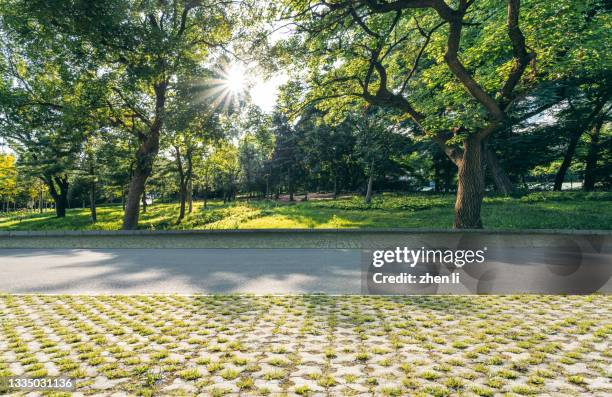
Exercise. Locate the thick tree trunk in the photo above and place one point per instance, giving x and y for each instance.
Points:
(590, 170)
(145, 155)
(503, 184)
(59, 193)
(136, 188)
(60, 206)
(470, 186)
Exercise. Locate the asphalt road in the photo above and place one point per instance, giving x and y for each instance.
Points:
(262, 271)
(182, 271)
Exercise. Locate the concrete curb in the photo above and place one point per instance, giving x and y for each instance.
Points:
(238, 232)
(287, 238)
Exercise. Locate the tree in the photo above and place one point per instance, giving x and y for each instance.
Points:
(8, 178)
(138, 48)
(457, 71)
(287, 154)
(581, 114)
(226, 169)
(193, 123)
(46, 114)
(599, 139)
(378, 143)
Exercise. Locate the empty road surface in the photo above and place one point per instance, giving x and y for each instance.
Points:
(260, 271)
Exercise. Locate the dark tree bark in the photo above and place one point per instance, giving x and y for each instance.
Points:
(503, 184)
(590, 170)
(145, 155)
(470, 187)
(567, 160)
(58, 188)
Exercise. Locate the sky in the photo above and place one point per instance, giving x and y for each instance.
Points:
(264, 93)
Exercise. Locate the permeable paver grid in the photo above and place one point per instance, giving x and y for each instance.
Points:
(312, 344)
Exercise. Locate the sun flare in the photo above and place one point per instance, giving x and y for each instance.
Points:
(235, 79)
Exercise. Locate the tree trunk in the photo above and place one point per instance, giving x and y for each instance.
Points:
(182, 183)
(590, 170)
(92, 195)
(40, 200)
(145, 155)
(368, 196)
(190, 181)
(503, 184)
(470, 186)
(335, 186)
(59, 193)
(289, 185)
(581, 127)
(567, 160)
(182, 198)
(61, 202)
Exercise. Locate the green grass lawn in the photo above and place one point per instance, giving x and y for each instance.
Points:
(566, 210)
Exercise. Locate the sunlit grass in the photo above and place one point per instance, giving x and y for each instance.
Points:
(535, 211)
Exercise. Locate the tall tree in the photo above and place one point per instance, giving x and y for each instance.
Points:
(456, 70)
(193, 123)
(139, 47)
(47, 108)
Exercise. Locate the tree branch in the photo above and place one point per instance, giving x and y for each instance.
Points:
(519, 49)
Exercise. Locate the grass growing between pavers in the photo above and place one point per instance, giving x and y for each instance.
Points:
(544, 210)
(303, 345)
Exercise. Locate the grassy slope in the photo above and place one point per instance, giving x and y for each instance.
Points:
(554, 211)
